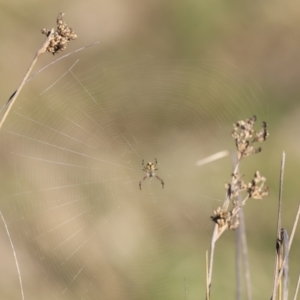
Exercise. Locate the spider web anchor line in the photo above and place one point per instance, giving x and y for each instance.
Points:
(15, 256)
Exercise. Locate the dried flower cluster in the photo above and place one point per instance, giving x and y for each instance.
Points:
(256, 188)
(244, 135)
(61, 37)
(225, 219)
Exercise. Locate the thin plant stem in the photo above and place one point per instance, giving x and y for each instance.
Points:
(8, 105)
(238, 259)
(294, 227)
(207, 284)
(211, 258)
(297, 288)
(277, 254)
(212, 158)
(290, 243)
(285, 264)
(56, 41)
(245, 257)
(241, 248)
(217, 232)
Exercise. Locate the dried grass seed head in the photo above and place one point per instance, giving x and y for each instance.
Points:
(245, 136)
(225, 219)
(256, 188)
(61, 37)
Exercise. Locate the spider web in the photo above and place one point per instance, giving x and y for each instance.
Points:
(80, 226)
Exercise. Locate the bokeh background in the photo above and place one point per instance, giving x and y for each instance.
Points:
(167, 80)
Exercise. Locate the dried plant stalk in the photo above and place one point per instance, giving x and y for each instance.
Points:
(224, 218)
(207, 272)
(241, 240)
(281, 263)
(278, 255)
(297, 288)
(56, 41)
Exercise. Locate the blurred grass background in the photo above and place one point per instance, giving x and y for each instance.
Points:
(259, 38)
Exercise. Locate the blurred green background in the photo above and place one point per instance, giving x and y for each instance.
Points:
(192, 68)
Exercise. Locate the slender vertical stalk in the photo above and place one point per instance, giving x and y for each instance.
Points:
(278, 235)
(211, 259)
(238, 260)
(244, 256)
(207, 282)
(289, 243)
(297, 288)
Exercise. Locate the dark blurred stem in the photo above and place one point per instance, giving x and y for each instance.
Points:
(278, 235)
(285, 264)
(8, 105)
(290, 243)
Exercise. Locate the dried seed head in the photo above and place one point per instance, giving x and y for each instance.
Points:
(225, 219)
(245, 135)
(61, 36)
(256, 188)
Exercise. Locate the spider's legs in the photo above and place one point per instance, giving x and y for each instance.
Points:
(142, 162)
(161, 181)
(140, 184)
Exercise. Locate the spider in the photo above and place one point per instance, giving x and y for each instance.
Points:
(150, 168)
